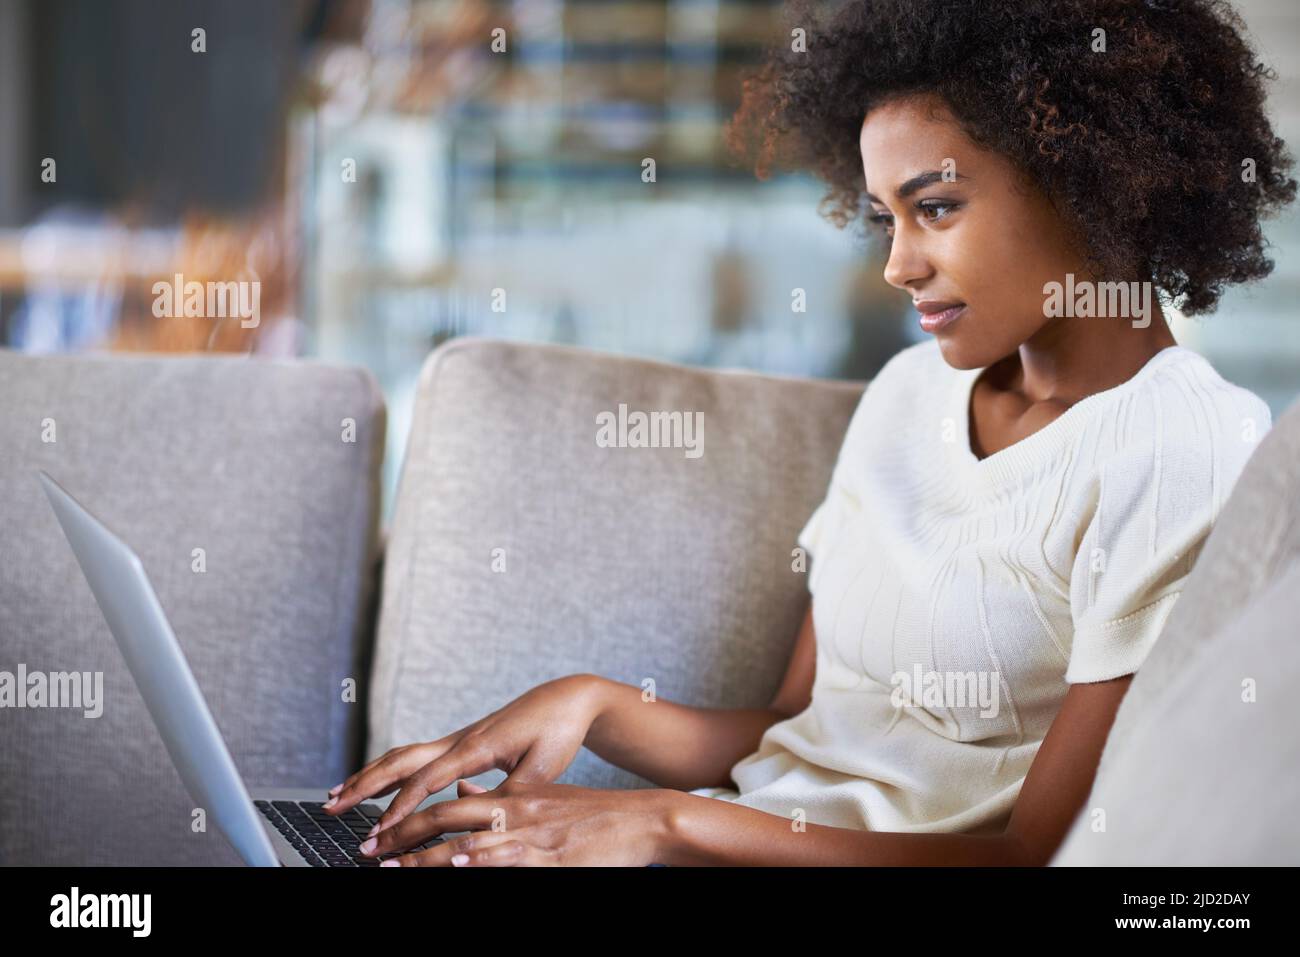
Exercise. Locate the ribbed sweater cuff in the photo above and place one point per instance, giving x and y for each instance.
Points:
(1113, 648)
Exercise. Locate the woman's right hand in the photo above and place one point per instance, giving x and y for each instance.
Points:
(533, 738)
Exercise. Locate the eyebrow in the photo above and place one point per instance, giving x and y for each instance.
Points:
(920, 181)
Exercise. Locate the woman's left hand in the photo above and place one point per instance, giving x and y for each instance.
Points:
(534, 825)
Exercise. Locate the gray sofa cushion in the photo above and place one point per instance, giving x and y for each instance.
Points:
(245, 459)
(1209, 778)
(1167, 715)
(634, 563)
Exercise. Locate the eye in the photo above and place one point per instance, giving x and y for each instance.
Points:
(931, 210)
(883, 222)
(940, 209)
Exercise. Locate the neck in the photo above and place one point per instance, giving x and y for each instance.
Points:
(1069, 359)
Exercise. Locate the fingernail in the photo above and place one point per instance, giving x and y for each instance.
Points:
(373, 831)
(460, 860)
(336, 789)
(369, 846)
(331, 802)
(391, 862)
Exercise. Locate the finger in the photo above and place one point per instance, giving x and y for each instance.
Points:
(464, 787)
(461, 761)
(513, 853)
(387, 775)
(375, 781)
(468, 844)
(463, 814)
(351, 778)
(484, 848)
(535, 765)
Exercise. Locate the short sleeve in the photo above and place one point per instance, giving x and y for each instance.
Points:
(842, 504)
(817, 534)
(1155, 506)
(827, 522)
(812, 538)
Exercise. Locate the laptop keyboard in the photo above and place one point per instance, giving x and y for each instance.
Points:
(329, 840)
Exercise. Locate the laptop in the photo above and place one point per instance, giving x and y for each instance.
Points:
(268, 827)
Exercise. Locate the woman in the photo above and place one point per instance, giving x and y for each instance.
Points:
(1019, 498)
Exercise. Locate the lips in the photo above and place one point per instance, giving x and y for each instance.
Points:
(931, 306)
(935, 314)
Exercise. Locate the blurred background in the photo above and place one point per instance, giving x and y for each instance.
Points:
(384, 172)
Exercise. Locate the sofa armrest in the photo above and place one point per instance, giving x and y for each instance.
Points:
(246, 459)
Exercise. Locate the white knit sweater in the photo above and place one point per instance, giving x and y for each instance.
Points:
(1053, 561)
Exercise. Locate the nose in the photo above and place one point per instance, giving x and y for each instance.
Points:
(907, 263)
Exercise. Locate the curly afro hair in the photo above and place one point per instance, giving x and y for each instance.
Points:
(1143, 148)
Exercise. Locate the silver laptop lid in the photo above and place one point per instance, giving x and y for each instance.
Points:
(136, 619)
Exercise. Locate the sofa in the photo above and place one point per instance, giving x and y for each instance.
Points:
(519, 550)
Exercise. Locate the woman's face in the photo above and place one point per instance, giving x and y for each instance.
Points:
(985, 241)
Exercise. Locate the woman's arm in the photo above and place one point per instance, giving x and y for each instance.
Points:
(564, 824)
(684, 747)
(703, 830)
